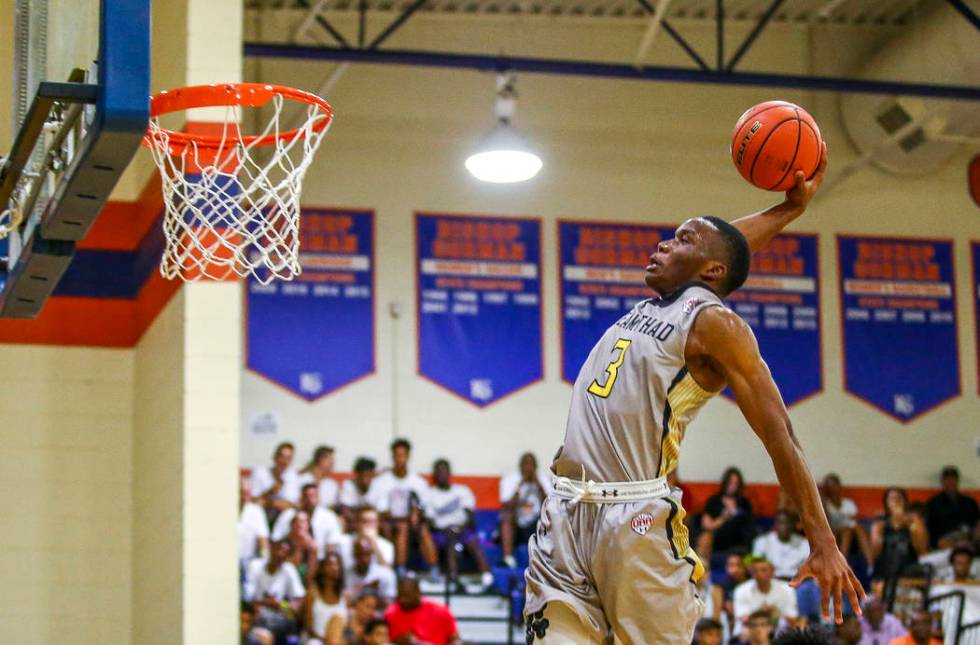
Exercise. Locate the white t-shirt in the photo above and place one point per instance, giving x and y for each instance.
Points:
(324, 613)
(325, 526)
(281, 585)
(393, 493)
(842, 517)
(449, 507)
(345, 548)
(263, 480)
(747, 599)
(381, 578)
(786, 557)
(529, 499)
(327, 489)
(252, 525)
(352, 497)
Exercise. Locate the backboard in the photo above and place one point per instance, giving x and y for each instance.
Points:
(81, 78)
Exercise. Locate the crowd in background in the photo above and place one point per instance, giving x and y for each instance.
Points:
(345, 564)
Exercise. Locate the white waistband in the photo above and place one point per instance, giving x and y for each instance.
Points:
(610, 492)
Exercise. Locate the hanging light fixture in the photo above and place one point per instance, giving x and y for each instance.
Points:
(504, 156)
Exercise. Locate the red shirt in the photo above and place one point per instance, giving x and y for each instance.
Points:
(430, 622)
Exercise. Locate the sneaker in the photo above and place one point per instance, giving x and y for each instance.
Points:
(486, 580)
(434, 575)
(510, 561)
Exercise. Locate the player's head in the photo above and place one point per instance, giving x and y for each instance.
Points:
(441, 473)
(706, 249)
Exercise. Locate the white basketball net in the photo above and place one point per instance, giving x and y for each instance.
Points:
(238, 214)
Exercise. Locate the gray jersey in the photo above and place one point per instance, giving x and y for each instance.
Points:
(634, 397)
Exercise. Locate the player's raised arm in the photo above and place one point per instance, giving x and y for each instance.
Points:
(759, 228)
(727, 345)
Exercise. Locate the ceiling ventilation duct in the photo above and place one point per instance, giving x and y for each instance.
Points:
(914, 135)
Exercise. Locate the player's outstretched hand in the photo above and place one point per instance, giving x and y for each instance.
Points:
(800, 195)
(829, 569)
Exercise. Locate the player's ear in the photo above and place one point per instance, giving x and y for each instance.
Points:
(714, 272)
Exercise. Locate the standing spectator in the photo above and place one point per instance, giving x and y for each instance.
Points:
(727, 521)
(897, 538)
(764, 593)
(325, 613)
(952, 515)
(376, 632)
(364, 609)
(449, 508)
(355, 492)
(786, 550)
(324, 524)
(758, 628)
(368, 574)
(521, 495)
(920, 630)
(319, 471)
(723, 593)
(276, 487)
(275, 590)
(842, 514)
(253, 527)
(849, 631)
(707, 632)
(400, 494)
(414, 620)
(879, 627)
(304, 554)
(367, 524)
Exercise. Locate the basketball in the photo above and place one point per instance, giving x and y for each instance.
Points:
(773, 140)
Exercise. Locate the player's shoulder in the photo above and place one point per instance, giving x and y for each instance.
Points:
(720, 322)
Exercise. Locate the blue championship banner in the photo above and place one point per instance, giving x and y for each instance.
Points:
(479, 304)
(315, 334)
(781, 302)
(898, 303)
(975, 257)
(602, 277)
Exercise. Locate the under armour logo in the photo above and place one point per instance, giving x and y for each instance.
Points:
(610, 493)
(537, 626)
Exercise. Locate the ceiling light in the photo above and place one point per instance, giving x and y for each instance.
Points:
(504, 156)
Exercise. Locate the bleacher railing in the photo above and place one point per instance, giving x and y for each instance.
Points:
(951, 605)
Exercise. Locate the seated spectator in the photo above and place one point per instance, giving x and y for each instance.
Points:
(253, 527)
(367, 524)
(842, 514)
(758, 628)
(319, 471)
(355, 492)
(735, 574)
(369, 574)
(324, 524)
(250, 634)
(849, 631)
(364, 609)
(707, 632)
(727, 521)
(920, 631)
(522, 493)
(764, 593)
(806, 636)
(376, 632)
(879, 627)
(304, 554)
(449, 509)
(898, 538)
(325, 613)
(786, 550)
(400, 493)
(276, 488)
(414, 619)
(961, 565)
(275, 590)
(952, 515)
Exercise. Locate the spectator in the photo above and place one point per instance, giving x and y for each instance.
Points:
(727, 521)
(250, 634)
(324, 524)
(325, 613)
(961, 563)
(722, 593)
(366, 525)
(276, 487)
(522, 493)
(842, 514)
(253, 527)
(399, 494)
(920, 630)
(319, 471)
(304, 553)
(952, 515)
(369, 574)
(764, 593)
(786, 550)
(806, 636)
(414, 620)
(758, 628)
(275, 590)
(849, 631)
(449, 509)
(363, 611)
(879, 627)
(376, 632)
(897, 538)
(707, 632)
(355, 492)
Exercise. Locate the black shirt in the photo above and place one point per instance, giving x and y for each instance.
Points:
(950, 513)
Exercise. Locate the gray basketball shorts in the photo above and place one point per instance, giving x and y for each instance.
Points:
(626, 569)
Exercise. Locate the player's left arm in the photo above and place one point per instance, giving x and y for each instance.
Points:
(727, 343)
(759, 228)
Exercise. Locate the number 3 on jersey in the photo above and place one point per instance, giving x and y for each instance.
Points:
(613, 370)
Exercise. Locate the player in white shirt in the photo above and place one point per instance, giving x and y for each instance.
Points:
(324, 524)
(449, 509)
(842, 514)
(786, 550)
(319, 471)
(521, 494)
(367, 523)
(270, 582)
(366, 573)
(253, 527)
(764, 592)
(277, 487)
(356, 492)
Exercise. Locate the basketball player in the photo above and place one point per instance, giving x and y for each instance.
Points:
(610, 561)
